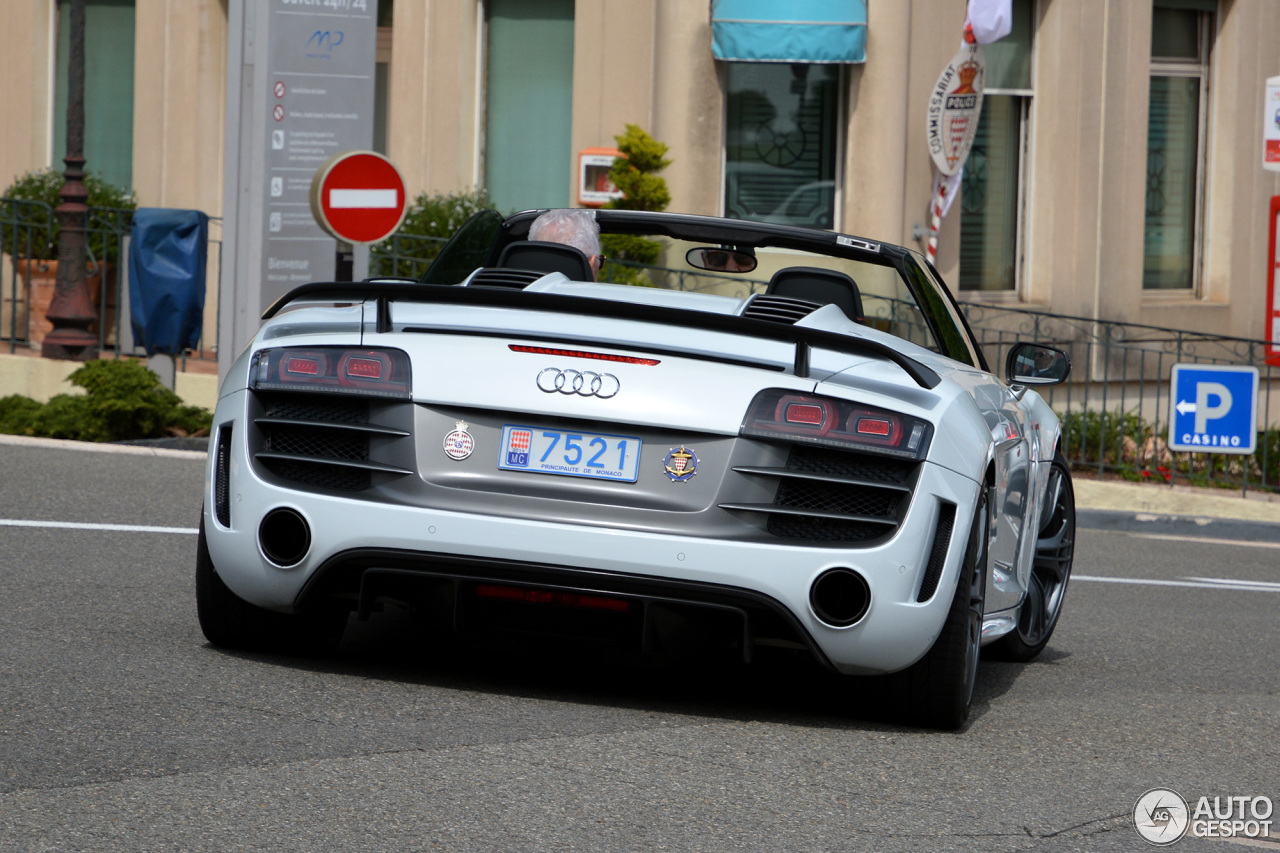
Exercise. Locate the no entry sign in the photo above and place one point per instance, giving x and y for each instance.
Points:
(358, 197)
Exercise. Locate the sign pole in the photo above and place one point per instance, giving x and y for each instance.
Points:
(343, 262)
(1272, 332)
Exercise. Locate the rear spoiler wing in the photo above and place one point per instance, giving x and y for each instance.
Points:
(803, 339)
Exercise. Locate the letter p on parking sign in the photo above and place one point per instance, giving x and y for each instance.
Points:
(1213, 408)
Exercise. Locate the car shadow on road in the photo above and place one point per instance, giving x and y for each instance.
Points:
(778, 686)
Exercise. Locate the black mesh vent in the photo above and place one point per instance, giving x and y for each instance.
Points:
(835, 497)
(824, 529)
(305, 407)
(837, 463)
(222, 478)
(938, 554)
(829, 495)
(314, 427)
(320, 476)
(779, 309)
(515, 279)
(316, 441)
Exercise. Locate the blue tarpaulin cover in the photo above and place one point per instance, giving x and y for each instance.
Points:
(166, 278)
(789, 30)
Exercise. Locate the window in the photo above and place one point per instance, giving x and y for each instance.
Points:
(529, 103)
(781, 140)
(382, 75)
(992, 190)
(108, 88)
(1181, 34)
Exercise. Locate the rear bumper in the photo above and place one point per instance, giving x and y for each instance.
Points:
(351, 536)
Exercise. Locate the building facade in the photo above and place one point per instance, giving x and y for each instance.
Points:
(1116, 173)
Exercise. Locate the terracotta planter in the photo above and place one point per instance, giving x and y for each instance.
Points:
(39, 281)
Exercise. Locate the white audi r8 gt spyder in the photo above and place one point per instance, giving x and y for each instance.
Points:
(790, 441)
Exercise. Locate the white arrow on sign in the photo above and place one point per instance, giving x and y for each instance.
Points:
(1184, 407)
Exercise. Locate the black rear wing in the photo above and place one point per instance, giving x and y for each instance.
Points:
(803, 339)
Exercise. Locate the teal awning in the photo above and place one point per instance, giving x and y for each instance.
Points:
(789, 30)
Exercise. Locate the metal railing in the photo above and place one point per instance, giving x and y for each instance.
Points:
(26, 277)
(1115, 408)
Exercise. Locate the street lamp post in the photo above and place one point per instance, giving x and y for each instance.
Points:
(71, 310)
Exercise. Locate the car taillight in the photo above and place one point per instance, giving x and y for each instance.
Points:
(779, 414)
(341, 370)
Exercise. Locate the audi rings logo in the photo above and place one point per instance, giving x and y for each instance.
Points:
(584, 383)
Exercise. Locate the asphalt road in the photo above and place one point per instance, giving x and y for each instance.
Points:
(121, 729)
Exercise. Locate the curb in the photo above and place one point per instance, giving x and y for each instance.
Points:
(98, 447)
(1200, 527)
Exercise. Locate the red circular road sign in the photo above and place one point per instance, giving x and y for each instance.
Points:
(358, 197)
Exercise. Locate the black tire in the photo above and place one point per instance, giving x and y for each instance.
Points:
(233, 623)
(937, 691)
(1051, 572)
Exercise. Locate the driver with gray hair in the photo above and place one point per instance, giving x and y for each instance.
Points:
(572, 227)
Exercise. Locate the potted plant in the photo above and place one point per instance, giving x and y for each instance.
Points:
(29, 233)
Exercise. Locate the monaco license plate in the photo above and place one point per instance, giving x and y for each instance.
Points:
(570, 454)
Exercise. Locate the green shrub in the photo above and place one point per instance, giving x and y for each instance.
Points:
(1091, 436)
(430, 221)
(123, 400)
(16, 412)
(28, 234)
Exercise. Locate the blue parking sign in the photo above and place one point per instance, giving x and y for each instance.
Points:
(1213, 408)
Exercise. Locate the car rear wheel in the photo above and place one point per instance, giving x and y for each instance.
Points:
(1047, 587)
(937, 690)
(231, 622)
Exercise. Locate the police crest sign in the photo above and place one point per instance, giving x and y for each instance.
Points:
(954, 106)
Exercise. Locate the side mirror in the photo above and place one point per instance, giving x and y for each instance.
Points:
(1036, 364)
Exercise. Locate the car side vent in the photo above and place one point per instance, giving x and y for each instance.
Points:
(222, 477)
(327, 442)
(779, 309)
(938, 553)
(508, 278)
(835, 496)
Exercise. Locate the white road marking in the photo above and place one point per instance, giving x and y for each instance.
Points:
(1206, 540)
(79, 525)
(1192, 583)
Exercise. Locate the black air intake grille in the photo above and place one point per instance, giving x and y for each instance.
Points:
(835, 495)
(509, 278)
(938, 554)
(779, 309)
(326, 441)
(222, 477)
(316, 441)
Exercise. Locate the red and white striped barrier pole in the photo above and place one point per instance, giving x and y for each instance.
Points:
(935, 220)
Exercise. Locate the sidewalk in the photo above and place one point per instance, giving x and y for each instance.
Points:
(1185, 501)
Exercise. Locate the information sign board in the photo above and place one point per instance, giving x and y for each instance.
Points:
(1213, 408)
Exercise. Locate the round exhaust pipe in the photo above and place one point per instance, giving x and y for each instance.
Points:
(284, 536)
(840, 597)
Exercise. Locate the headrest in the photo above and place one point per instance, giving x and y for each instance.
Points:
(547, 257)
(814, 284)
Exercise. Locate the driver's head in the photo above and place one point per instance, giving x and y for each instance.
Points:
(577, 228)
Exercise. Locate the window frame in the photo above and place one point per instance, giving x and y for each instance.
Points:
(842, 127)
(1202, 68)
(1026, 116)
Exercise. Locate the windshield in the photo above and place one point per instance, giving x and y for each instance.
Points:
(885, 290)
